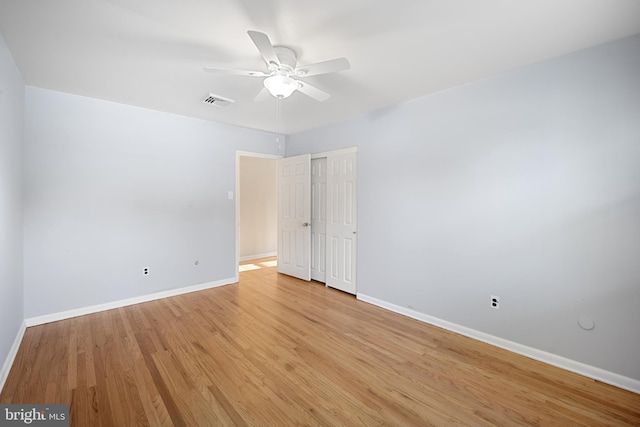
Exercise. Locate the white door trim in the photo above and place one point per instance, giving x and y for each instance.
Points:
(334, 152)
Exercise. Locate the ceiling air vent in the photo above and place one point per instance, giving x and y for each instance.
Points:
(217, 100)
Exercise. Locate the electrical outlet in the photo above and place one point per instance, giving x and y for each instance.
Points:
(495, 302)
(145, 271)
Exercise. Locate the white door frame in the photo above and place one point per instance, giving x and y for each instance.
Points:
(239, 154)
(334, 152)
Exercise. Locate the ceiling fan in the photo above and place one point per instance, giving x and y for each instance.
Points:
(282, 66)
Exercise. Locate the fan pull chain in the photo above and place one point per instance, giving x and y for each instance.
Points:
(278, 124)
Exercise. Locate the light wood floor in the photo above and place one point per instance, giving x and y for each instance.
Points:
(277, 351)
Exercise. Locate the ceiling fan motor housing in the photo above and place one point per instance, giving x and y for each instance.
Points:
(287, 58)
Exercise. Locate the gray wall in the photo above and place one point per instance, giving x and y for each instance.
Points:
(526, 186)
(111, 189)
(11, 125)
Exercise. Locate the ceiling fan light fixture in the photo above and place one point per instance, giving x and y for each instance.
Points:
(280, 86)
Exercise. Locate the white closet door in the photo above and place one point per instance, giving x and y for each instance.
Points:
(341, 221)
(294, 216)
(318, 219)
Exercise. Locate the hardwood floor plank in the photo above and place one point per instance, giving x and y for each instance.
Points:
(231, 414)
(273, 350)
(83, 410)
(164, 392)
(102, 401)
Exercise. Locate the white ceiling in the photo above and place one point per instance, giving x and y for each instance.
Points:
(150, 53)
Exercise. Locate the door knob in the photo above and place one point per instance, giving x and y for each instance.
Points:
(305, 224)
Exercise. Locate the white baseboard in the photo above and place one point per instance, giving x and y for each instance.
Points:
(8, 363)
(599, 374)
(54, 317)
(256, 256)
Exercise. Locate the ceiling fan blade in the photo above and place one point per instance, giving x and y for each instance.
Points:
(332, 66)
(262, 42)
(263, 95)
(312, 91)
(235, 72)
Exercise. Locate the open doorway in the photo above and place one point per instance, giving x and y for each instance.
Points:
(256, 206)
